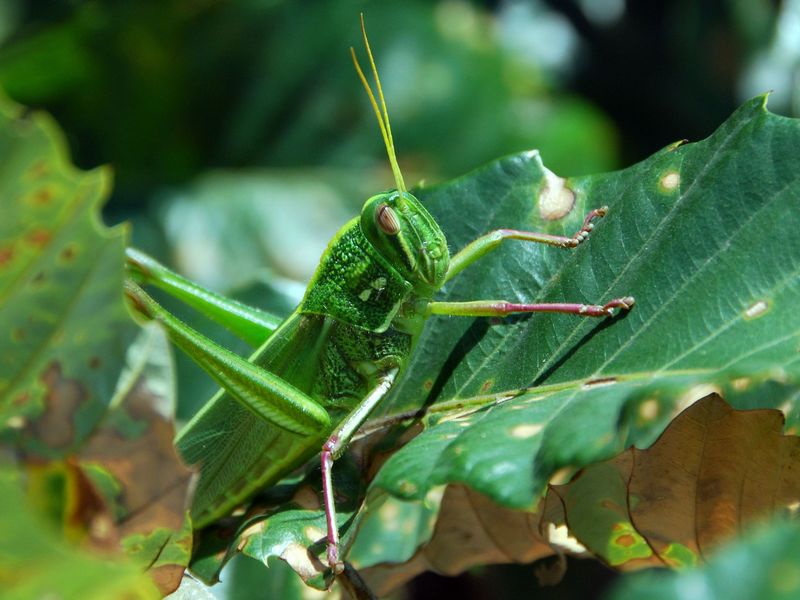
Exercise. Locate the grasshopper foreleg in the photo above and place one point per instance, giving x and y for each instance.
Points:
(499, 308)
(490, 241)
(333, 449)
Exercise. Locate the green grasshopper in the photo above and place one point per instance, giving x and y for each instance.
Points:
(317, 375)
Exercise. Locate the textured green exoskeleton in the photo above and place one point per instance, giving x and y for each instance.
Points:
(317, 375)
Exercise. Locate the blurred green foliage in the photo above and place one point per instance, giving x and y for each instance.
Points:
(165, 90)
(240, 136)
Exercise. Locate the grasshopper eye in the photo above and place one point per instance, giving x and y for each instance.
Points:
(387, 220)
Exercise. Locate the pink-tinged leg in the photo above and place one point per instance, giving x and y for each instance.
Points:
(326, 459)
(499, 308)
(490, 241)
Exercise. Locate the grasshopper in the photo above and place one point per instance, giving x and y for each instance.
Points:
(317, 375)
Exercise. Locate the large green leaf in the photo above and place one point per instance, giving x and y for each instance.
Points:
(85, 416)
(64, 323)
(702, 234)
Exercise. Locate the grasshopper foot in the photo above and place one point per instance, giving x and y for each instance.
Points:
(583, 233)
(333, 558)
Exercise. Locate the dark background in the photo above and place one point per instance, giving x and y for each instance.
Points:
(241, 139)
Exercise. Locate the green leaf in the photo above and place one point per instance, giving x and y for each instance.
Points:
(701, 234)
(764, 564)
(64, 325)
(85, 414)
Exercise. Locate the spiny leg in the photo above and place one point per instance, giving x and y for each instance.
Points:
(490, 241)
(335, 446)
(250, 324)
(500, 308)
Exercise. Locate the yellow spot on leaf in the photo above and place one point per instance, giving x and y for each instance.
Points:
(301, 561)
(15, 422)
(555, 199)
(648, 410)
(670, 181)
(695, 393)
(254, 529)
(526, 430)
(559, 536)
(756, 309)
(389, 514)
(561, 476)
(407, 488)
(741, 384)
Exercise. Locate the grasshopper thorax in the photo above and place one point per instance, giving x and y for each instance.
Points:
(407, 236)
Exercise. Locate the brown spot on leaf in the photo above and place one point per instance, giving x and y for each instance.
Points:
(42, 196)
(54, 427)
(487, 385)
(69, 253)
(17, 334)
(39, 237)
(6, 254)
(626, 540)
(95, 362)
(428, 385)
(600, 381)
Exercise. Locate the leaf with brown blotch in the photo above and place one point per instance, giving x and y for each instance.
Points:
(126, 489)
(143, 481)
(470, 530)
(713, 472)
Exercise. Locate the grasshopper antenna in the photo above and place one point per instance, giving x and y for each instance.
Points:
(383, 117)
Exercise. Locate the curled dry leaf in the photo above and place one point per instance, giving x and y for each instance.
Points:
(713, 472)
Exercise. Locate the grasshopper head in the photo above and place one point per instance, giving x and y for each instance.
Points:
(407, 236)
(395, 222)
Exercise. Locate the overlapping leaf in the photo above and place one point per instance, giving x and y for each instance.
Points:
(764, 564)
(36, 563)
